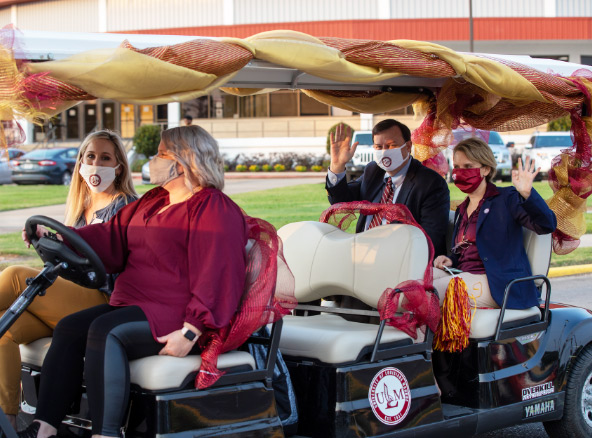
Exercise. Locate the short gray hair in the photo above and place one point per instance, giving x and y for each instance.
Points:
(198, 153)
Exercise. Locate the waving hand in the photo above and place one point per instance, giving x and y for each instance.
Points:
(522, 178)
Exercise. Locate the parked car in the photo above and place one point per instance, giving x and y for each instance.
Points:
(544, 146)
(146, 173)
(495, 142)
(6, 157)
(364, 154)
(45, 166)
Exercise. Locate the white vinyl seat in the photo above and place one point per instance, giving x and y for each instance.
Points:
(538, 251)
(326, 261)
(153, 373)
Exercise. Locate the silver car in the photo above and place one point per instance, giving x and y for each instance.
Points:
(6, 156)
(495, 142)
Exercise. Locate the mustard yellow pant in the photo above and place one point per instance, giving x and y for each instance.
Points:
(37, 321)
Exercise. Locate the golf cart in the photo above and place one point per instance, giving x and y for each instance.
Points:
(351, 378)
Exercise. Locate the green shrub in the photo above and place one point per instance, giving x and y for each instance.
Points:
(317, 168)
(147, 139)
(226, 168)
(254, 168)
(332, 129)
(137, 166)
(560, 124)
(279, 167)
(301, 168)
(241, 168)
(266, 167)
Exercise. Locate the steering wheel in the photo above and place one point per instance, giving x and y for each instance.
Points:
(83, 265)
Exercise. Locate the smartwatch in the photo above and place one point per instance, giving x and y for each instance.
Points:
(191, 335)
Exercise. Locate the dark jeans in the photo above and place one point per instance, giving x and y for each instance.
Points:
(109, 337)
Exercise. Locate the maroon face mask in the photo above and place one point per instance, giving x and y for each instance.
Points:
(467, 180)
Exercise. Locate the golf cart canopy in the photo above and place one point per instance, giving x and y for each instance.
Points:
(45, 73)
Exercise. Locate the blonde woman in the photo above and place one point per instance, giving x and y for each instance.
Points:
(487, 241)
(101, 185)
(180, 250)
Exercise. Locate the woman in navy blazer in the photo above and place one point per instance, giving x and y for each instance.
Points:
(487, 243)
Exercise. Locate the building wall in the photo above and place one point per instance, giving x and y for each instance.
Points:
(151, 14)
(59, 15)
(131, 15)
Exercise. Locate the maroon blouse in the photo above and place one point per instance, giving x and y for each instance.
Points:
(465, 242)
(185, 264)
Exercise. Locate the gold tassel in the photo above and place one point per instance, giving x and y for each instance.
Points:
(454, 328)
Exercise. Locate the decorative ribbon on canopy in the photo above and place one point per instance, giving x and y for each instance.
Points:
(479, 91)
(420, 301)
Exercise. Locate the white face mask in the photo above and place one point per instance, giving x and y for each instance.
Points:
(389, 159)
(98, 178)
(162, 171)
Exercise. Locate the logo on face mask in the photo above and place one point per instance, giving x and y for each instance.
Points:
(94, 180)
(386, 162)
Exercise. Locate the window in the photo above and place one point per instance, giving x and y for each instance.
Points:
(127, 120)
(90, 118)
(283, 104)
(223, 106)
(253, 106)
(72, 131)
(109, 115)
(586, 59)
(312, 107)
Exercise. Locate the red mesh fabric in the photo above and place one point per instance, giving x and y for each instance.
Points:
(268, 296)
(204, 55)
(420, 303)
(388, 56)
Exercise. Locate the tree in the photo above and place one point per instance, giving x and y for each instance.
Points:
(560, 124)
(332, 129)
(147, 139)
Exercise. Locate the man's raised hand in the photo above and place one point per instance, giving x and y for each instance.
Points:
(341, 148)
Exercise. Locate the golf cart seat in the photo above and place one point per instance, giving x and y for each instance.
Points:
(538, 251)
(326, 261)
(153, 373)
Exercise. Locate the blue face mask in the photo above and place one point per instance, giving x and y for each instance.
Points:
(162, 171)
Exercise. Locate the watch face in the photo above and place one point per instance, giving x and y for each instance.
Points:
(189, 334)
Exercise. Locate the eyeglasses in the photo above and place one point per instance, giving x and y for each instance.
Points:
(460, 246)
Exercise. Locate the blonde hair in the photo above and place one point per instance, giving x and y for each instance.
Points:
(79, 196)
(198, 153)
(477, 150)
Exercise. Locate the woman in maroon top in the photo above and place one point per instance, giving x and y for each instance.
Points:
(487, 241)
(180, 252)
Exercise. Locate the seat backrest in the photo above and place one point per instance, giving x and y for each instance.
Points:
(327, 261)
(537, 246)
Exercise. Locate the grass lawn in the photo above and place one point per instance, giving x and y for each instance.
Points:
(14, 197)
(277, 206)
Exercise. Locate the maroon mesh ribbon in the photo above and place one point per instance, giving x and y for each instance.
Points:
(268, 296)
(420, 304)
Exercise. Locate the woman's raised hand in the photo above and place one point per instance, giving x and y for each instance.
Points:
(523, 177)
(341, 151)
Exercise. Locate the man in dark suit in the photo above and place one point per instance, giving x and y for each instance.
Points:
(422, 190)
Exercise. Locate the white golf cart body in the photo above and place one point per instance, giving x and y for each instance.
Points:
(333, 362)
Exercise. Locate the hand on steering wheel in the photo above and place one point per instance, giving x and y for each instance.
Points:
(82, 265)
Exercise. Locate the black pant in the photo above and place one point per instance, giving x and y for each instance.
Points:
(109, 337)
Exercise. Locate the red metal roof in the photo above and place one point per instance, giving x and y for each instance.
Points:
(432, 29)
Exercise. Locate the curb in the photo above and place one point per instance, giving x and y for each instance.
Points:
(564, 271)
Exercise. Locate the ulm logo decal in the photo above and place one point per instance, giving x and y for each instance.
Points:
(539, 408)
